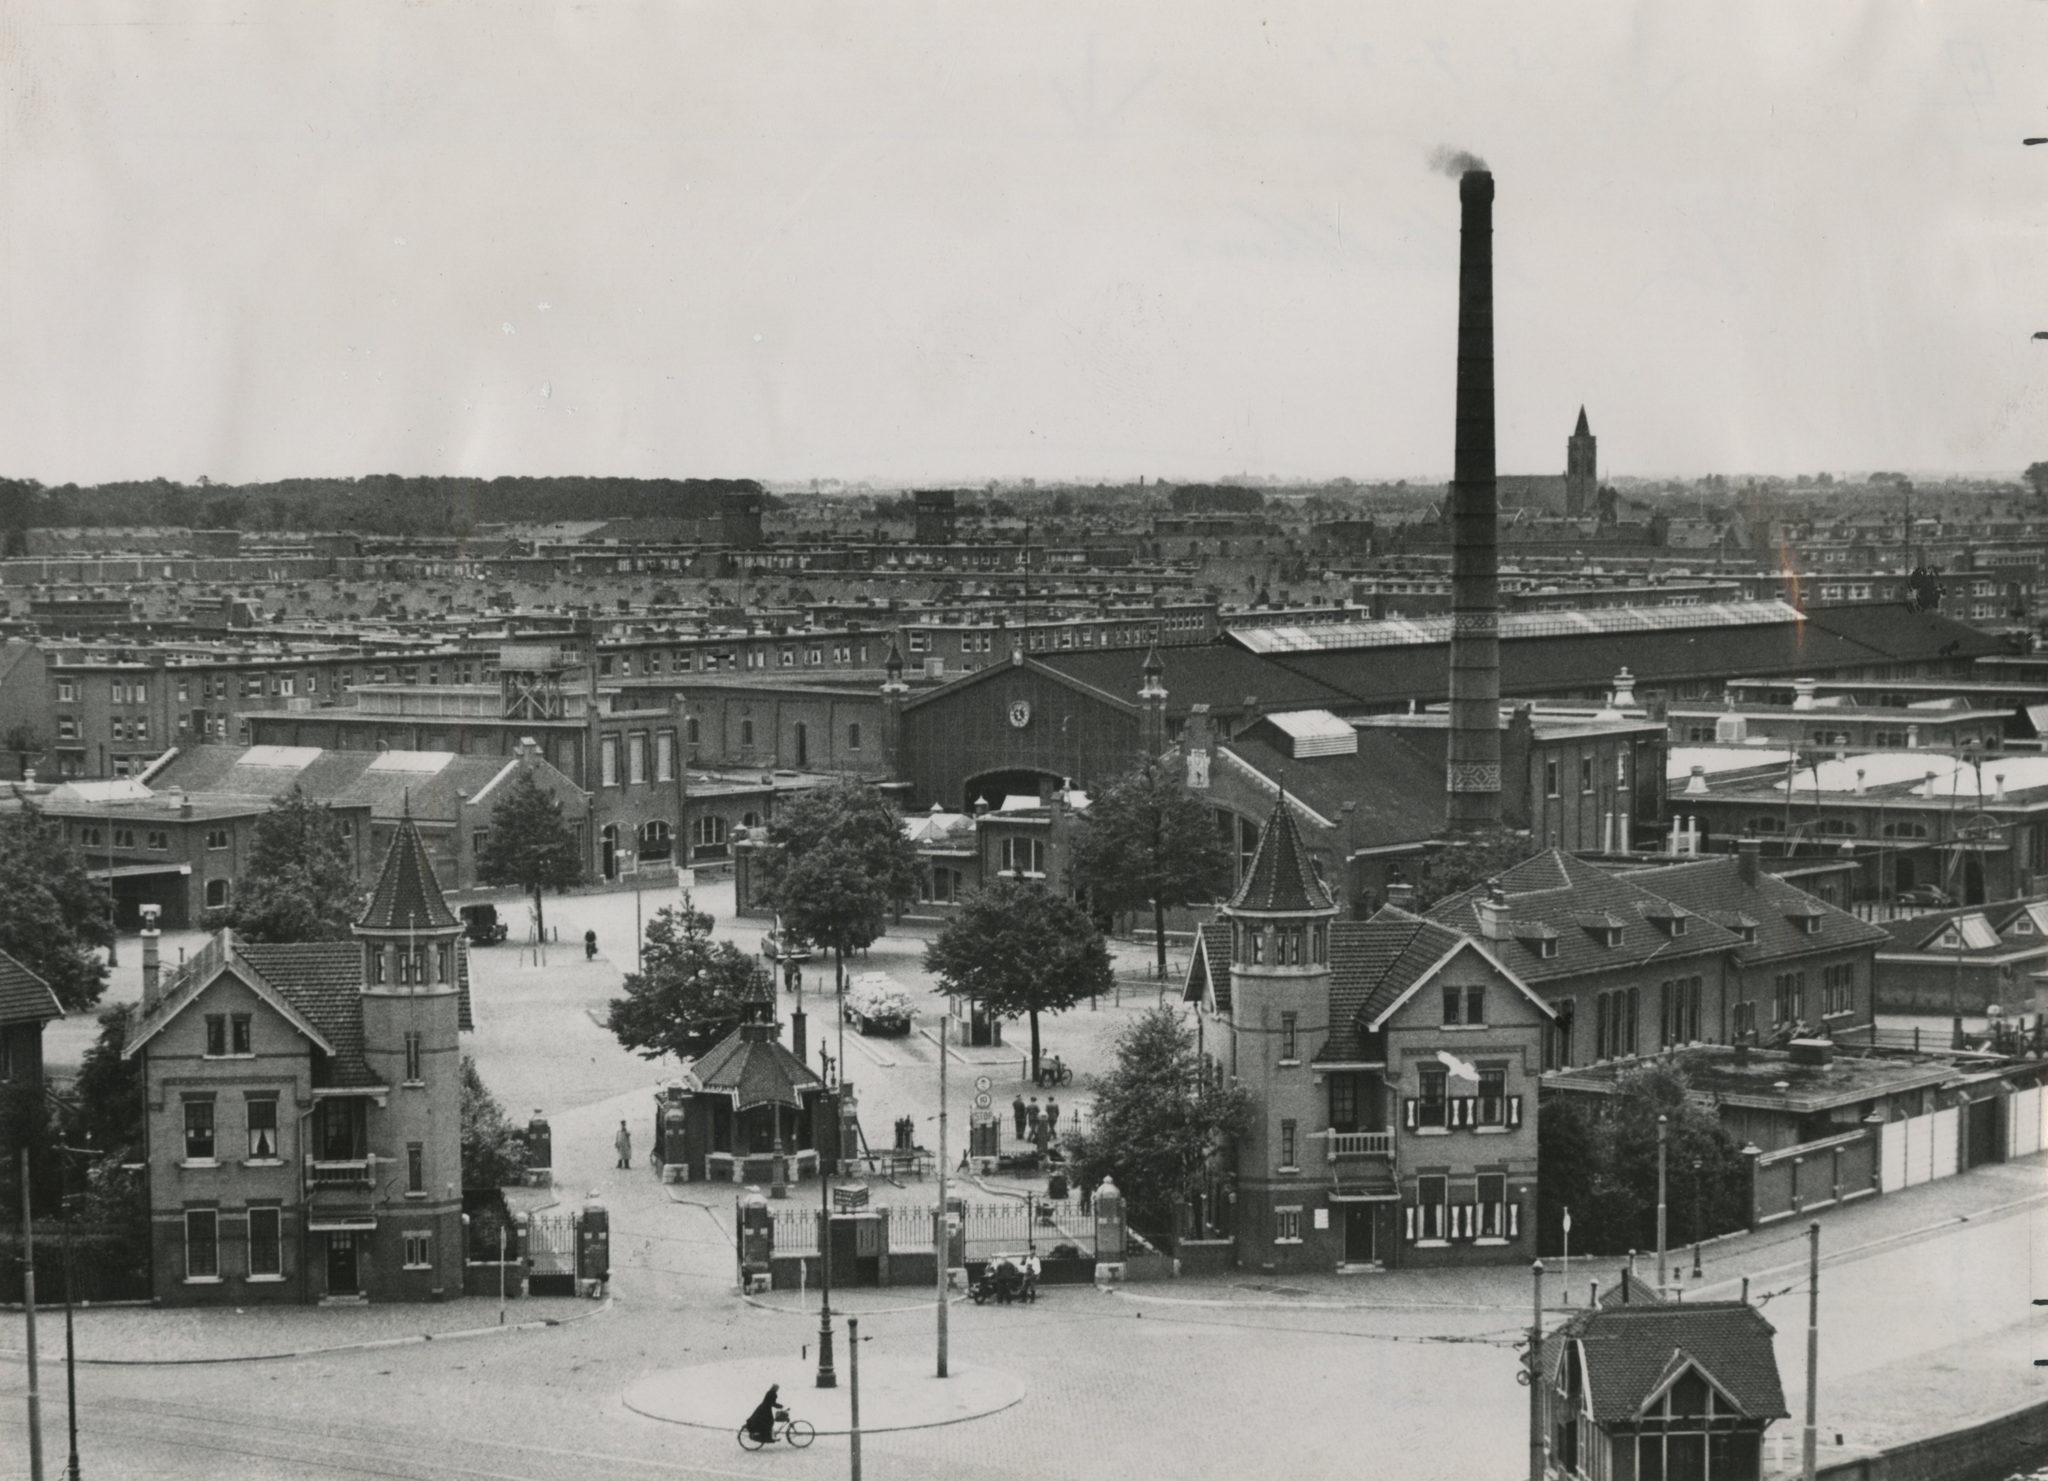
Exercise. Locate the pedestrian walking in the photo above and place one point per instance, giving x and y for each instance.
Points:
(624, 1142)
(1031, 1269)
(1017, 1110)
(1052, 1114)
(590, 946)
(1041, 1134)
(1031, 1114)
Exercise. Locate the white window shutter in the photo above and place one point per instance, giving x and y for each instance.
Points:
(1411, 1212)
(1514, 1220)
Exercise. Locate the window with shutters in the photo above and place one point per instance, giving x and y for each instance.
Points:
(1492, 1106)
(1431, 1221)
(1493, 1206)
(1431, 1107)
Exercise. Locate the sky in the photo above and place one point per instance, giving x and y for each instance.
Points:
(941, 243)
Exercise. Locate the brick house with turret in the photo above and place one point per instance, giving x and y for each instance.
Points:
(303, 1106)
(1392, 1064)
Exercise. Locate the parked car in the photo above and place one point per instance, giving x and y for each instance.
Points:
(481, 924)
(795, 949)
(875, 1005)
(1928, 895)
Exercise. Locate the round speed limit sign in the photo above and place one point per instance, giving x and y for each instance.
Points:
(981, 1083)
(982, 1101)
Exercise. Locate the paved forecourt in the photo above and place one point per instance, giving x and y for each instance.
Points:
(895, 1394)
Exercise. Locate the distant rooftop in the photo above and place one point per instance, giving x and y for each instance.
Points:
(1768, 1080)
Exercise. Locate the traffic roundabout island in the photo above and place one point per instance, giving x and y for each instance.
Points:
(895, 1394)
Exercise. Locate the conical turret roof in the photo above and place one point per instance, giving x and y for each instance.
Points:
(1583, 430)
(408, 895)
(1281, 880)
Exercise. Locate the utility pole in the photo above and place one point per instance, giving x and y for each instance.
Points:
(853, 1375)
(1663, 1133)
(1539, 1440)
(28, 1299)
(942, 1243)
(1806, 1440)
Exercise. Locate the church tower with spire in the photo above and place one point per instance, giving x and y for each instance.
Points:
(1279, 922)
(412, 970)
(1581, 470)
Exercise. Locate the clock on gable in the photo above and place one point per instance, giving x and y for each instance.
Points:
(1020, 713)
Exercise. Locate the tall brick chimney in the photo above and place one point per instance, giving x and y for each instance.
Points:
(1473, 769)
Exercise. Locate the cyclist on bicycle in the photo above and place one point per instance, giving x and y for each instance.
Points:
(761, 1423)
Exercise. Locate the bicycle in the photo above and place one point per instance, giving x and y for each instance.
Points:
(798, 1432)
(1055, 1071)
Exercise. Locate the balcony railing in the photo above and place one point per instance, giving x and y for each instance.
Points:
(322, 1173)
(1350, 1144)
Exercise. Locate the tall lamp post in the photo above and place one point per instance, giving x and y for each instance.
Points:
(68, 1202)
(828, 1377)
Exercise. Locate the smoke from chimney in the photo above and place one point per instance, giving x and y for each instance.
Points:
(1473, 763)
(1457, 163)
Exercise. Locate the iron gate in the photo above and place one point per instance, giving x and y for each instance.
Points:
(551, 1254)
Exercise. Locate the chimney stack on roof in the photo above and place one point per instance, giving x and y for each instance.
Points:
(1493, 913)
(1473, 764)
(1749, 864)
(152, 964)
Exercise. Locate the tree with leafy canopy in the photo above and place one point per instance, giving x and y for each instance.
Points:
(690, 991)
(55, 914)
(530, 844)
(300, 884)
(1020, 950)
(837, 862)
(493, 1149)
(1158, 1120)
(1453, 867)
(1601, 1162)
(1147, 841)
(104, 1108)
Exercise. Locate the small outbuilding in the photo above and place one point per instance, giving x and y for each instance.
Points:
(1648, 1391)
(746, 1097)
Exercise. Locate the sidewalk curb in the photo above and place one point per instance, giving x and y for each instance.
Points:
(462, 1334)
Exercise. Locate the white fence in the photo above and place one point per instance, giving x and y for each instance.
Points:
(2026, 1122)
(1920, 1149)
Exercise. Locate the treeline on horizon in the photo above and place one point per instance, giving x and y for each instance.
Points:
(381, 504)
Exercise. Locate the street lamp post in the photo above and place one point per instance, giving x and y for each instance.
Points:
(71, 1469)
(1663, 1132)
(828, 1377)
(1695, 1218)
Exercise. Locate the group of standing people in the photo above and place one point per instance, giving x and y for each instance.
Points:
(1036, 1124)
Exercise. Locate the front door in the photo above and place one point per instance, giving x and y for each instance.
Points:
(1359, 1247)
(341, 1263)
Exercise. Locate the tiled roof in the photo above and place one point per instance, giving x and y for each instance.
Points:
(1209, 967)
(1632, 1351)
(754, 1071)
(1397, 796)
(408, 895)
(25, 997)
(1280, 880)
(1555, 889)
(1372, 962)
(324, 981)
(1713, 887)
(1918, 932)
